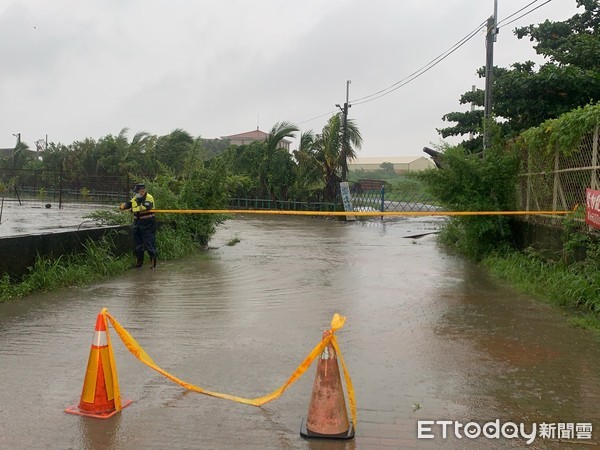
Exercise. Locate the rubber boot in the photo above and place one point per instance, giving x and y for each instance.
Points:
(153, 263)
(139, 262)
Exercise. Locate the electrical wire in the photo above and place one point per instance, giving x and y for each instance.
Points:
(404, 81)
(317, 117)
(423, 69)
(517, 12)
(528, 12)
(434, 62)
(410, 77)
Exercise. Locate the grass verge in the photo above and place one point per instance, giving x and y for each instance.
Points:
(568, 286)
(96, 263)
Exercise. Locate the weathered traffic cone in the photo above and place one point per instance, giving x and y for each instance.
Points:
(327, 416)
(101, 397)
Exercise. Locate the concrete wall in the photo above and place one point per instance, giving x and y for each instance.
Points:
(18, 253)
(546, 240)
(539, 237)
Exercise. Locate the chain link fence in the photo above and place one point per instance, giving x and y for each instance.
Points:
(61, 189)
(372, 196)
(557, 182)
(44, 188)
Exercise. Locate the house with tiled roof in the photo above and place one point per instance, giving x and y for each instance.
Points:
(252, 136)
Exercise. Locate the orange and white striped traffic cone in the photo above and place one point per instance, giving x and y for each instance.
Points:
(101, 397)
(327, 415)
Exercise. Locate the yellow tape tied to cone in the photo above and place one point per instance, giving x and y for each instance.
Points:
(336, 323)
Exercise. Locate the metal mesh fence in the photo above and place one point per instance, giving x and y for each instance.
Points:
(362, 200)
(380, 200)
(61, 189)
(558, 182)
(58, 189)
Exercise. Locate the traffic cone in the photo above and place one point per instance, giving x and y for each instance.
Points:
(100, 397)
(327, 416)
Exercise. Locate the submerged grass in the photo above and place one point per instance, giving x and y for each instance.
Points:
(572, 287)
(97, 262)
(234, 240)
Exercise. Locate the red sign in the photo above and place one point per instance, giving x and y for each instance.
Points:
(592, 208)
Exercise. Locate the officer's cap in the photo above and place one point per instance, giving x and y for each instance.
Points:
(139, 186)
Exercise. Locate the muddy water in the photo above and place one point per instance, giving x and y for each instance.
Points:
(428, 337)
(17, 220)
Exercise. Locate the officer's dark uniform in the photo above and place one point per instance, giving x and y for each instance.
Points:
(144, 224)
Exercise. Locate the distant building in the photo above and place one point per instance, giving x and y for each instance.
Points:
(6, 152)
(402, 164)
(252, 136)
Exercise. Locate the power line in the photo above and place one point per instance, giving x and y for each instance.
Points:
(517, 12)
(317, 117)
(419, 72)
(404, 81)
(525, 14)
(410, 77)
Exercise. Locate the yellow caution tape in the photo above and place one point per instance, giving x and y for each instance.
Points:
(360, 213)
(336, 323)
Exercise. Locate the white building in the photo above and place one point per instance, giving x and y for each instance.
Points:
(402, 164)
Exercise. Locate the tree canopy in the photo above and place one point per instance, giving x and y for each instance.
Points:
(525, 96)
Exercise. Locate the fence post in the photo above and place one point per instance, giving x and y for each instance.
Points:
(528, 183)
(382, 199)
(594, 181)
(60, 177)
(555, 183)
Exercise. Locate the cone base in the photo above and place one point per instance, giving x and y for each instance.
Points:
(306, 433)
(97, 415)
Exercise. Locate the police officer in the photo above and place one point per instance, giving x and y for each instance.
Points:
(144, 224)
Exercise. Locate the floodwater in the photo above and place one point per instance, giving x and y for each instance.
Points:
(31, 218)
(428, 337)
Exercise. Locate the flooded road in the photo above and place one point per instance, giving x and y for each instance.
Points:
(428, 337)
(16, 220)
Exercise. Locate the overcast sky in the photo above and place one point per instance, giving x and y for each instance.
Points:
(72, 69)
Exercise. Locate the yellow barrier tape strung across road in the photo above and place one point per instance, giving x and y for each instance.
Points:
(361, 213)
(336, 323)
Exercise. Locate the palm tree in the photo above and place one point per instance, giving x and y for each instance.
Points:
(172, 149)
(331, 152)
(280, 131)
(309, 172)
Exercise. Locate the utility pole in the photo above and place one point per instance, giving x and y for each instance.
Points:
(18, 136)
(490, 38)
(345, 133)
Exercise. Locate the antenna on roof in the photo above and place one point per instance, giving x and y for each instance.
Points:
(257, 122)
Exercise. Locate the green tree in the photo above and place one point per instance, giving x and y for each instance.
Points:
(525, 97)
(387, 167)
(215, 147)
(173, 149)
(469, 183)
(328, 151)
(242, 162)
(21, 157)
(275, 170)
(309, 172)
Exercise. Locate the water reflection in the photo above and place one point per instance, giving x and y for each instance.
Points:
(99, 433)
